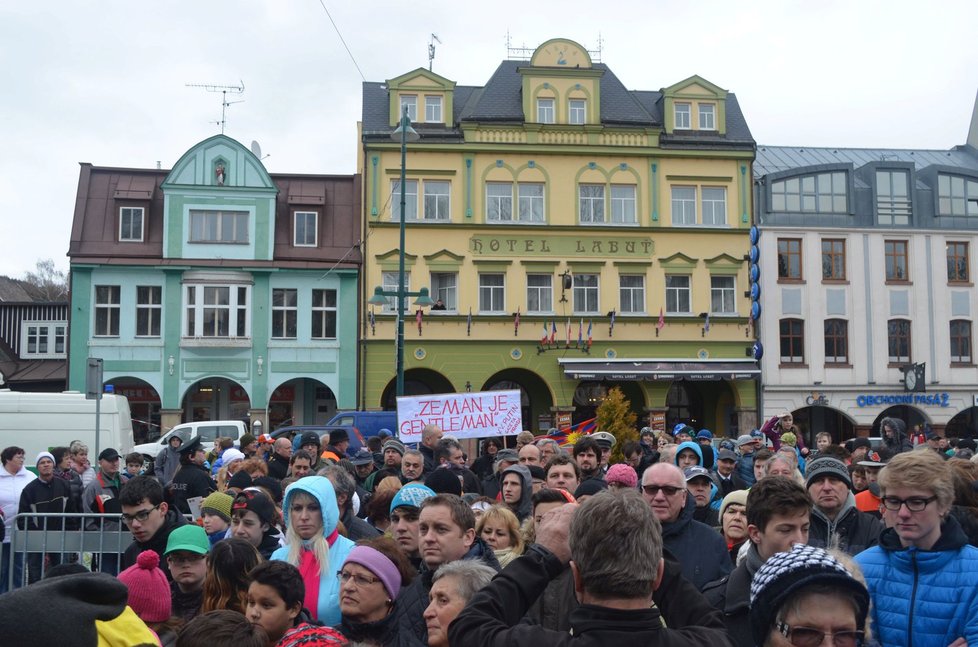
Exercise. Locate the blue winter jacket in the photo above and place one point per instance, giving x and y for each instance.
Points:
(329, 589)
(923, 598)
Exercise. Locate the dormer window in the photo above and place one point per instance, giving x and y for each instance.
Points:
(576, 110)
(131, 224)
(957, 196)
(545, 111)
(432, 110)
(893, 205)
(410, 102)
(683, 116)
(708, 116)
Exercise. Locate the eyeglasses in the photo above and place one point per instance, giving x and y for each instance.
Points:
(359, 580)
(140, 516)
(914, 504)
(808, 637)
(668, 490)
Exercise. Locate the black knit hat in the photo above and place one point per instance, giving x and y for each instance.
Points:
(827, 466)
(785, 574)
(258, 502)
(240, 480)
(444, 481)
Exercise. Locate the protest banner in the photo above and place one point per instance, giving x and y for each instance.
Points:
(462, 415)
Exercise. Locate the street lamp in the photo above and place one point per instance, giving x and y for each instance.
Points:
(404, 134)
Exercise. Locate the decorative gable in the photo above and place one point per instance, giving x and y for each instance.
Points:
(219, 162)
(678, 261)
(428, 91)
(563, 77)
(694, 99)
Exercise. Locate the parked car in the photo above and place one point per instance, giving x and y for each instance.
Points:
(368, 423)
(208, 431)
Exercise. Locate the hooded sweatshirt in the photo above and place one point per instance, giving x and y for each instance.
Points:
(524, 508)
(11, 487)
(322, 589)
(898, 442)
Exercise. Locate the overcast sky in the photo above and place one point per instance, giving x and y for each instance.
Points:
(104, 81)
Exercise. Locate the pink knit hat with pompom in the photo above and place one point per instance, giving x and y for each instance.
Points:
(621, 473)
(149, 591)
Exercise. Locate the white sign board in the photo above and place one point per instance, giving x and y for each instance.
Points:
(462, 415)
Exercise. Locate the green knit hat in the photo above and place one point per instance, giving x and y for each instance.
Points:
(218, 503)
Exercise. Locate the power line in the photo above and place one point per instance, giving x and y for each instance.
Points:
(355, 64)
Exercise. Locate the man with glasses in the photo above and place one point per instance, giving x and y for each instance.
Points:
(186, 557)
(701, 550)
(101, 496)
(149, 519)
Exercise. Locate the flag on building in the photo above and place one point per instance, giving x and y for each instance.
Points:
(580, 333)
(419, 317)
(373, 322)
(662, 319)
(546, 334)
(706, 324)
(553, 331)
(589, 339)
(568, 332)
(468, 324)
(611, 324)
(516, 323)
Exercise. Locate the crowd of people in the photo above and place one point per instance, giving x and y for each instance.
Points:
(687, 540)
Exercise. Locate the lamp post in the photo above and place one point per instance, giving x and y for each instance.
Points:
(404, 134)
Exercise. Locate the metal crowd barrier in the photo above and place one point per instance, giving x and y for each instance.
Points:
(95, 540)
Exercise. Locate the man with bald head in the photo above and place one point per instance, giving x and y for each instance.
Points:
(430, 436)
(529, 455)
(701, 550)
(278, 463)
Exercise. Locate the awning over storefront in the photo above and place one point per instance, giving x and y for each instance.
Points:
(656, 370)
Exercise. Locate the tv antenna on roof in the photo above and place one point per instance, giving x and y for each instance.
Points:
(431, 49)
(223, 89)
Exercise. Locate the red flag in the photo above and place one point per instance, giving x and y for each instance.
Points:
(553, 333)
(419, 318)
(662, 320)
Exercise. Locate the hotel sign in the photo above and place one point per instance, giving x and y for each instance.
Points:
(562, 246)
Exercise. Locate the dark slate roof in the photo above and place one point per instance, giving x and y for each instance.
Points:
(500, 100)
(17, 291)
(773, 159)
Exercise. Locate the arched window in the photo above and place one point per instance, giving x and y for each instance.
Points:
(898, 340)
(792, 332)
(836, 341)
(960, 341)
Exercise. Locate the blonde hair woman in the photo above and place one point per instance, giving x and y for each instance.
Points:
(500, 528)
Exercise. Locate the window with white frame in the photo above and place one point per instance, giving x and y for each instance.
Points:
(530, 201)
(131, 224)
(957, 196)
(107, 310)
(389, 280)
(217, 311)
(678, 294)
(432, 109)
(499, 201)
(623, 204)
(591, 203)
(631, 291)
(410, 200)
(893, 200)
(723, 295)
(576, 111)
(149, 310)
(285, 313)
(492, 293)
(539, 293)
(545, 111)
(708, 120)
(714, 206)
(683, 112)
(306, 228)
(437, 199)
(43, 339)
(585, 293)
(818, 193)
(324, 314)
(410, 102)
(444, 288)
(225, 227)
(683, 205)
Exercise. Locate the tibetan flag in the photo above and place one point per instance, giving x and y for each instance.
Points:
(662, 320)
(546, 333)
(468, 324)
(580, 334)
(419, 317)
(589, 340)
(568, 332)
(553, 332)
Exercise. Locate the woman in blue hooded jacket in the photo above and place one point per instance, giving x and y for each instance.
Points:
(313, 544)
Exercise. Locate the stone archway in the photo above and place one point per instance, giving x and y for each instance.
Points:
(216, 398)
(417, 381)
(144, 407)
(535, 395)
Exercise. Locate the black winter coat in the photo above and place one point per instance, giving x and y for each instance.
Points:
(731, 595)
(491, 618)
(383, 633)
(157, 543)
(413, 599)
(278, 467)
(190, 481)
(855, 531)
(701, 550)
(51, 497)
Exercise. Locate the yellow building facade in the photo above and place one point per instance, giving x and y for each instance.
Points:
(579, 236)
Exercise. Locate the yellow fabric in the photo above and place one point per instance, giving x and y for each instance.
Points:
(125, 630)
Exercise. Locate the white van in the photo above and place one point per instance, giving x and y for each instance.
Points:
(208, 431)
(39, 421)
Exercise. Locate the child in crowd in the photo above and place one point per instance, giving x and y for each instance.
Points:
(215, 511)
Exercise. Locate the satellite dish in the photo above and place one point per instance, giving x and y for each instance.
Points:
(256, 148)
